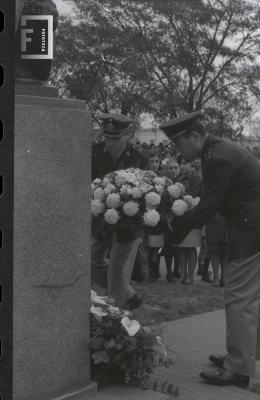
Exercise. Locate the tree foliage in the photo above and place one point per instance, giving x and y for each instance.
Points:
(163, 57)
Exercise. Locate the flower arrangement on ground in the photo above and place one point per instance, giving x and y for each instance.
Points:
(121, 349)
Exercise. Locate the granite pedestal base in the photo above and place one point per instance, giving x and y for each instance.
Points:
(51, 249)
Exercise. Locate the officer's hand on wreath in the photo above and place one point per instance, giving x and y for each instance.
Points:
(170, 235)
(170, 220)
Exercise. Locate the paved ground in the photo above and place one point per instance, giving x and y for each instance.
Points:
(190, 341)
(128, 393)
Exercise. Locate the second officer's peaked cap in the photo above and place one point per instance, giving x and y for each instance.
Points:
(115, 125)
(180, 125)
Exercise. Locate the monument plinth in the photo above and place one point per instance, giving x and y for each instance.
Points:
(51, 248)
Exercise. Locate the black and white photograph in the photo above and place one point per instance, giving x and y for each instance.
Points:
(130, 199)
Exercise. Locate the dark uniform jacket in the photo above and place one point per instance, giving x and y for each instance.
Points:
(192, 184)
(231, 185)
(103, 163)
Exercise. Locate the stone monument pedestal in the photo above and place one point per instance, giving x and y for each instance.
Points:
(51, 249)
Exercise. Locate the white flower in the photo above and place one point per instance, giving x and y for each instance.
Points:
(96, 181)
(161, 353)
(109, 188)
(99, 194)
(182, 187)
(136, 193)
(159, 181)
(139, 174)
(150, 175)
(131, 208)
(111, 216)
(126, 189)
(189, 200)
(129, 176)
(152, 199)
(196, 201)
(97, 207)
(151, 218)
(159, 188)
(123, 177)
(100, 300)
(131, 326)
(120, 180)
(113, 200)
(127, 313)
(179, 207)
(106, 181)
(175, 191)
(145, 187)
(115, 311)
(98, 312)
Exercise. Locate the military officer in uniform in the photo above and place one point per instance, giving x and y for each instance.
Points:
(231, 185)
(113, 154)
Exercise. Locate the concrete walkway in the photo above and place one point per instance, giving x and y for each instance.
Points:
(189, 342)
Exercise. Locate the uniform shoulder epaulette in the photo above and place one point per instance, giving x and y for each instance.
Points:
(209, 153)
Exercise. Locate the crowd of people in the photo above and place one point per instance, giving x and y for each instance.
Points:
(228, 184)
(201, 246)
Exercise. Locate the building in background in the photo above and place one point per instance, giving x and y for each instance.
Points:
(151, 136)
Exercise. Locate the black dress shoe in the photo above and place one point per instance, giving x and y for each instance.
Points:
(134, 302)
(170, 278)
(217, 360)
(223, 377)
(206, 278)
(152, 279)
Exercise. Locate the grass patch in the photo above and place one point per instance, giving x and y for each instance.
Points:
(163, 301)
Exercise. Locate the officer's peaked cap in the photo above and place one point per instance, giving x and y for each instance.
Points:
(180, 125)
(115, 125)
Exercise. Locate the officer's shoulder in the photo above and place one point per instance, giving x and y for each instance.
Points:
(219, 149)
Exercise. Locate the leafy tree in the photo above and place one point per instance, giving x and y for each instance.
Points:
(164, 57)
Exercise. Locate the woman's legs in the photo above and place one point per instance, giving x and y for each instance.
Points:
(192, 262)
(215, 261)
(154, 262)
(223, 267)
(183, 258)
(176, 270)
(167, 252)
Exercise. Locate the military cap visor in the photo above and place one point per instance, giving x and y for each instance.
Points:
(178, 126)
(115, 125)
